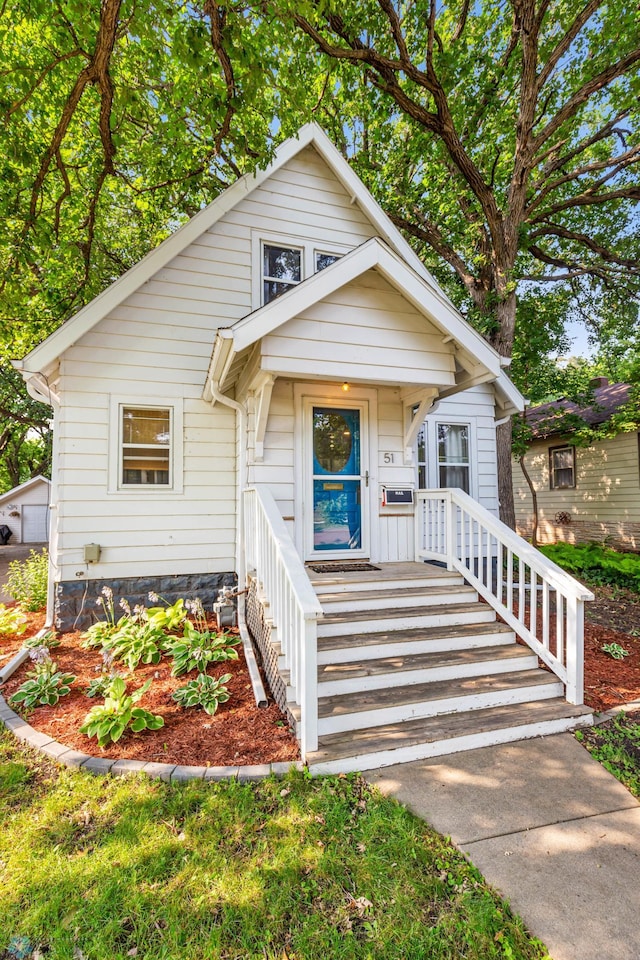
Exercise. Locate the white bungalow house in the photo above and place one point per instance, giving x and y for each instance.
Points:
(263, 399)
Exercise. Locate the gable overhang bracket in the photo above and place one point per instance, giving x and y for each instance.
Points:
(418, 406)
(221, 359)
(263, 402)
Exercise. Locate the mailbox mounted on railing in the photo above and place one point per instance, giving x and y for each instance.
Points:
(397, 496)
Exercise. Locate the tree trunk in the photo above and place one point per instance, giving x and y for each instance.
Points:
(534, 501)
(505, 484)
(502, 341)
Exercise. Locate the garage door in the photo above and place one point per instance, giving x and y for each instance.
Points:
(35, 523)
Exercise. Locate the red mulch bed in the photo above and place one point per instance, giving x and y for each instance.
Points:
(238, 733)
(241, 733)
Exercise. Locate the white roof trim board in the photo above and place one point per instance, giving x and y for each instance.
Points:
(373, 254)
(15, 491)
(44, 356)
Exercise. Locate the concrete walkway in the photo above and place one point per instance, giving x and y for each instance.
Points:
(549, 828)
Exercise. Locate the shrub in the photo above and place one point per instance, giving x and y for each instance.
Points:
(28, 581)
(108, 721)
(12, 620)
(596, 564)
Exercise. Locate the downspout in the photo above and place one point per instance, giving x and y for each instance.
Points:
(242, 468)
(39, 389)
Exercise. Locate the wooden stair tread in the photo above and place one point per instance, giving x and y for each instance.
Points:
(335, 746)
(410, 634)
(417, 661)
(393, 612)
(388, 571)
(393, 593)
(338, 705)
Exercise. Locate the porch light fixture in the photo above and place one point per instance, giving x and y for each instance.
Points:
(346, 387)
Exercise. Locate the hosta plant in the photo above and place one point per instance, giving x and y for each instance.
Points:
(168, 618)
(45, 684)
(615, 650)
(13, 620)
(135, 641)
(118, 713)
(47, 639)
(196, 649)
(204, 691)
(98, 633)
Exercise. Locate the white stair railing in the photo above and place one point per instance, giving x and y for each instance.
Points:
(533, 595)
(293, 607)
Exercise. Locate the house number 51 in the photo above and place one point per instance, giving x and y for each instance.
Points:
(387, 457)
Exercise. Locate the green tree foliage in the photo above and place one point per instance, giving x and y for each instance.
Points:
(503, 139)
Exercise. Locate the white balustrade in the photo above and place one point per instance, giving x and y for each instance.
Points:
(291, 603)
(533, 595)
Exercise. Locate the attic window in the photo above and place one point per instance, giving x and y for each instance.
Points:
(281, 270)
(324, 260)
(562, 467)
(146, 446)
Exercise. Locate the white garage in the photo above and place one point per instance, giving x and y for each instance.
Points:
(24, 510)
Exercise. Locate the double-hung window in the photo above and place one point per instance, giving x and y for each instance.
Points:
(146, 434)
(281, 270)
(453, 456)
(562, 467)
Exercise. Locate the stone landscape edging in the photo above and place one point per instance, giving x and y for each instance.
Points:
(103, 766)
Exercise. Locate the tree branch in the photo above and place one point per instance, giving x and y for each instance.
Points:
(561, 49)
(599, 82)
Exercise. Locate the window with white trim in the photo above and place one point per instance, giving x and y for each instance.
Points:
(562, 467)
(281, 264)
(453, 455)
(281, 270)
(145, 446)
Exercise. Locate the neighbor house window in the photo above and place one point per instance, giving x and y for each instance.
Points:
(281, 270)
(562, 468)
(421, 458)
(146, 446)
(453, 455)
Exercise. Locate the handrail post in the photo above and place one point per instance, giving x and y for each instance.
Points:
(575, 650)
(309, 690)
(449, 508)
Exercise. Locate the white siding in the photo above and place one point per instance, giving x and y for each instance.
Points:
(474, 406)
(365, 331)
(158, 343)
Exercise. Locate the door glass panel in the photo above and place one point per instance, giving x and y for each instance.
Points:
(336, 515)
(337, 494)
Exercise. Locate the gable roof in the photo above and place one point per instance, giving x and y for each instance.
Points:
(475, 355)
(549, 419)
(45, 355)
(21, 488)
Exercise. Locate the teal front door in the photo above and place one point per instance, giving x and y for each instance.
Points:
(339, 481)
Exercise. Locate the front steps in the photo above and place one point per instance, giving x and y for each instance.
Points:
(411, 665)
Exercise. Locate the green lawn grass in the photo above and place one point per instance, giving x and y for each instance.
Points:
(291, 869)
(616, 744)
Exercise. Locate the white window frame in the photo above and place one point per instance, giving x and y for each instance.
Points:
(116, 485)
(309, 250)
(432, 467)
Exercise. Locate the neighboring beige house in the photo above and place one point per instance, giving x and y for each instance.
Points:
(248, 404)
(25, 511)
(584, 493)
